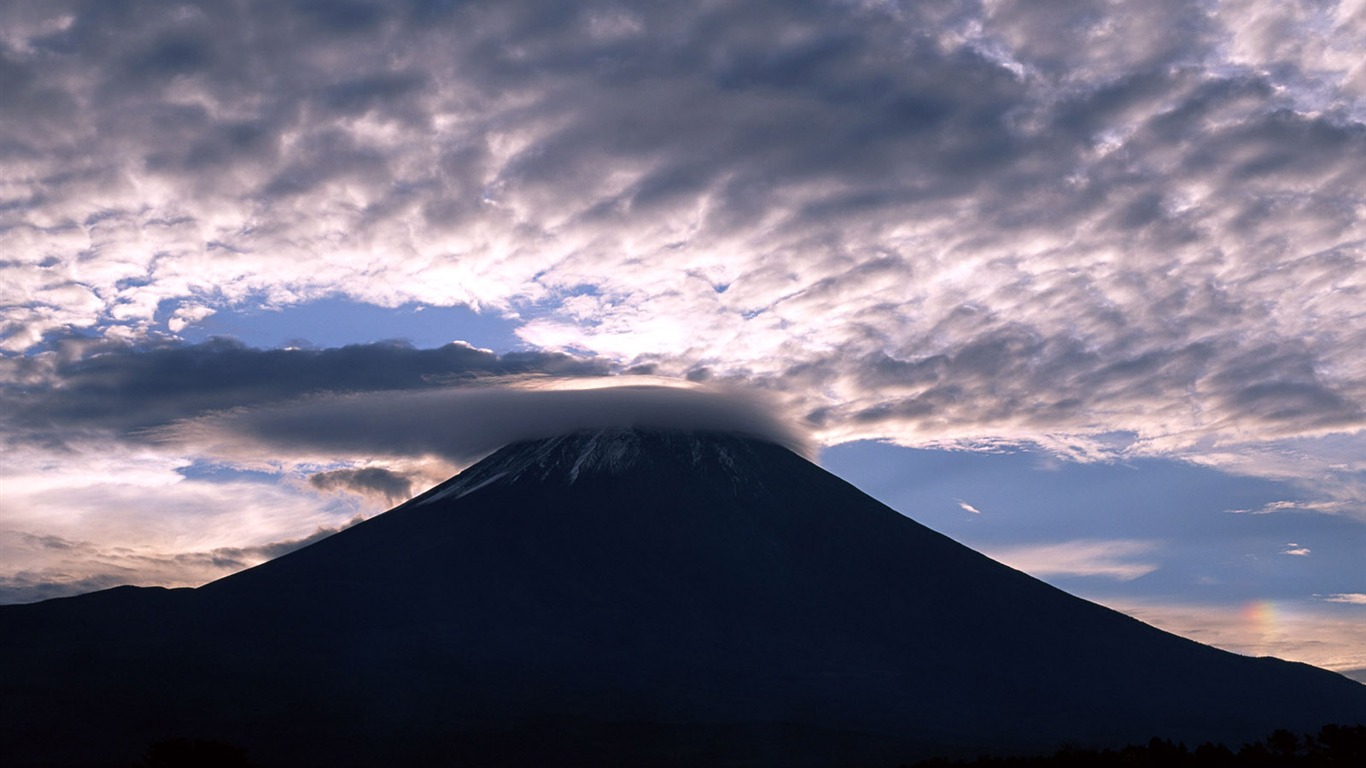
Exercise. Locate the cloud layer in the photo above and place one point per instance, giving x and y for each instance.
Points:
(935, 219)
(89, 385)
(466, 423)
(230, 402)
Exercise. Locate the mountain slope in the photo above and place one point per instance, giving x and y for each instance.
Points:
(631, 595)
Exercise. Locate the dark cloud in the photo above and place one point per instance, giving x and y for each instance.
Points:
(762, 95)
(466, 423)
(380, 90)
(368, 400)
(344, 16)
(739, 100)
(89, 385)
(378, 481)
(1011, 380)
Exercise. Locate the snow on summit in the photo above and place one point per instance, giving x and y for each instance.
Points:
(614, 450)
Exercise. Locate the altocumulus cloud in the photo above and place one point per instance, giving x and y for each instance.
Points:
(938, 221)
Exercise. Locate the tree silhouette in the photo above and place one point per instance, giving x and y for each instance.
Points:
(1335, 745)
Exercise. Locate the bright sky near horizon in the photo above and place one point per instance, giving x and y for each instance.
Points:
(1081, 284)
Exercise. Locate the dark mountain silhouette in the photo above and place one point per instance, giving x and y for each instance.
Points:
(626, 597)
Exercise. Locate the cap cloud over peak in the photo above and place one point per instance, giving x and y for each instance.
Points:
(463, 424)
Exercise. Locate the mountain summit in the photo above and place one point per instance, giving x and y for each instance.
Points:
(627, 596)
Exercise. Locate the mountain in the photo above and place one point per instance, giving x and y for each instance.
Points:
(626, 597)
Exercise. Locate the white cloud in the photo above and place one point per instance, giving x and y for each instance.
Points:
(966, 507)
(100, 513)
(1292, 506)
(108, 494)
(1307, 41)
(1328, 469)
(44, 566)
(1122, 559)
(1352, 598)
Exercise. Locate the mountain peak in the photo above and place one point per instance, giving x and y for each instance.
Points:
(627, 597)
(570, 457)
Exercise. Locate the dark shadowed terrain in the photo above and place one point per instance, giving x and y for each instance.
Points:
(627, 597)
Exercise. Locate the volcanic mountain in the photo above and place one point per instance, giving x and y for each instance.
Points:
(626, 597)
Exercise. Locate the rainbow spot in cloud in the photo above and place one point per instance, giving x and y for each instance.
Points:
(1262, 618)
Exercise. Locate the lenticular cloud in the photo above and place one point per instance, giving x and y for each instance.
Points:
(466, 423)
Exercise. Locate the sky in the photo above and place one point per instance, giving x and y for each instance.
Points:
(1078, 283)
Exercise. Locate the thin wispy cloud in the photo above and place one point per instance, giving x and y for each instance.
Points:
(67, 567)
(1351, 598)
(1293, 506)
(1124, 560)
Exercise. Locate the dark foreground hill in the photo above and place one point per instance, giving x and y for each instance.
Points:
(626, 597)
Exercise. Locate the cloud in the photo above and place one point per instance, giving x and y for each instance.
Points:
(1296, 550)
(966, 507)
(87, 385)
(1351, 598)
(370, 480)
(462, 424)
(1329, 471)
(931, 223)
(72, 567)
(1292, 506)
(1124, 560)
(1328, 636)
(100, 510)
